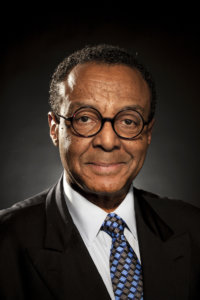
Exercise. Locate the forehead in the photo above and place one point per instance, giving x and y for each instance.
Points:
(105, 86)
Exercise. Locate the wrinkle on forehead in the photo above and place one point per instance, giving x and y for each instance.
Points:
(103, 88)
(107, 78)
(107, 86)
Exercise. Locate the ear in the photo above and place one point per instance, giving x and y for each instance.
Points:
(149, 130)
(53, 125)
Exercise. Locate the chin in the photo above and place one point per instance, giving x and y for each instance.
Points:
(107, 187)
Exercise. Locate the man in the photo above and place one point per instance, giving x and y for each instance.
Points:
(92, 235)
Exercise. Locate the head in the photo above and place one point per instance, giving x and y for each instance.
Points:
(108, 79)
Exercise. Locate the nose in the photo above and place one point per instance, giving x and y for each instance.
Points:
(107, 139)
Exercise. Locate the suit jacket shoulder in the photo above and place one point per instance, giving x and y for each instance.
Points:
(168, 233)
(179, 214)
(42, 255)
(23, 217)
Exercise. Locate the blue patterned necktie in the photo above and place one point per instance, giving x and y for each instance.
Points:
(125, 268)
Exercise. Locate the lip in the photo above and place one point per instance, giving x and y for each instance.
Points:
(106, 168)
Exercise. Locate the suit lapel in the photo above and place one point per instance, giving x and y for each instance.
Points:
(67, 270)
(64, 263)
(165, 255)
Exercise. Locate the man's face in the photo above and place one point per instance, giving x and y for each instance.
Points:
(105, 163)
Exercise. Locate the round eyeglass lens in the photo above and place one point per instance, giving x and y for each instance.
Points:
(128, 123)
(86, 121)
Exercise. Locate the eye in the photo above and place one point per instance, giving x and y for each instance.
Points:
(83, 119)
(128, 122)
(86, 118)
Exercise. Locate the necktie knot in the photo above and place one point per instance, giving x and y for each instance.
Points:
(114, 225)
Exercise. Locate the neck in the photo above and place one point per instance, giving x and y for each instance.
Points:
(107, 202)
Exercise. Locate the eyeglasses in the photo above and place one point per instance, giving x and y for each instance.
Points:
(87, 122)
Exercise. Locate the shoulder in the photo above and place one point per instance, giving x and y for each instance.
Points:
(23, 207)
(25, 218)
(165, 203)
(178, 213)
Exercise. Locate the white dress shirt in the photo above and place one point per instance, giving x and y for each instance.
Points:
(89, 218)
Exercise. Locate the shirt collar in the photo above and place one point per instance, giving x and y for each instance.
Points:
(88, 217)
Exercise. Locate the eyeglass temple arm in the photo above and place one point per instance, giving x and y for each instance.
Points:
(57, 116)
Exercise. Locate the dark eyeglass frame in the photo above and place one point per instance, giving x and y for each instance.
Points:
(103, 120)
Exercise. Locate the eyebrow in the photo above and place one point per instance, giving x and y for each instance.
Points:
(134, 107)
(81, 104)
(74, 106)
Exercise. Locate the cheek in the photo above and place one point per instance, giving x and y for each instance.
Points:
(64, 142)
(137, 149)
(71, 150)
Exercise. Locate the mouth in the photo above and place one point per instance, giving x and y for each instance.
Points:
(105, 168)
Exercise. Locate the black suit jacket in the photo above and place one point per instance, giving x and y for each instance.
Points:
(42, 255)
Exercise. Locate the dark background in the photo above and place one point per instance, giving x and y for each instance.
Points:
(31, 47)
